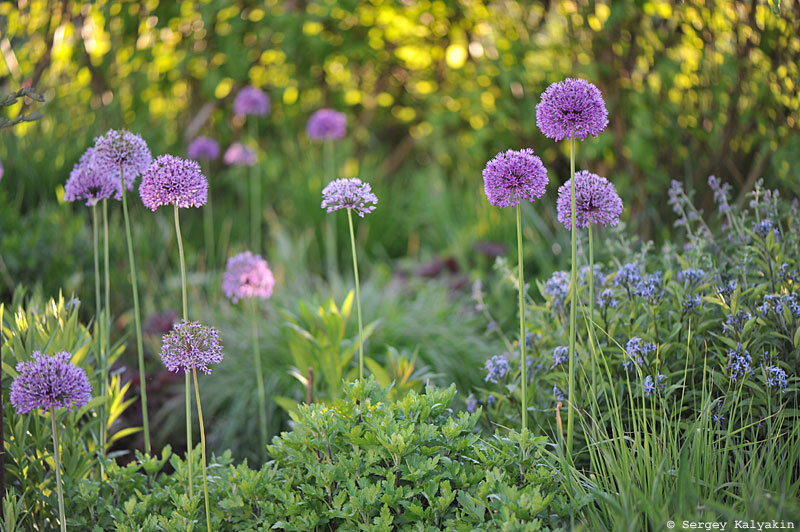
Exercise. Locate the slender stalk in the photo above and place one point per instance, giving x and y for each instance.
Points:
(99, 335)
(262, 400)
(255, 193)
(187, 387)
(107, 283)
(522, 357)
(331, 259)
(202, 447)
(572, 304)
(591, 323)
(137, 317)
(358, 297)
(57, 461)
(208, 230)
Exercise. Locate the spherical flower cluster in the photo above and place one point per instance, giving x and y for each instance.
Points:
(49, 382)
(596, 201)
(171, 180)
(191, 345)
(496, 368)
(85, 183)
(512, 176)
(121, 150)
(572, 108)
(349, 194)
(247, 275)
(203, 148)
(326, 124)
(251, 101)
(238, 154)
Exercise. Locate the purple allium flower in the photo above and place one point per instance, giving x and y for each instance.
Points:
(572, 108)
(776, 377)
(160, 323)
(472, 403)
(649, 386)
(496, 368)
(557, 287)
(512, 176)
(247, 275)
(596, 201)
(191, 345)
(238, 154)
(47, 382)
(326, 124)
(87, 183)
(251, 101)
(349, 194)
(203, 148)
(171, 180)
(121, 149)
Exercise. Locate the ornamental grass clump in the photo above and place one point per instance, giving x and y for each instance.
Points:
(204, 150)
(571, 109)
(178, 182)
(353, 195)
(327, 126)
(508, 179)
(247, 276)
(50, 383)
(188, 347)
(123, 156)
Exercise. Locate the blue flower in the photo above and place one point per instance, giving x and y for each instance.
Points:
(650, 287)
(628, 276)
(691, 275)
(727, 288)
(764, 227)
(490, 401)
(472, 403)
(721, 193)
(496, 368)
(560, 355)
(693, 304)
(607, 300)
(649, 386)
(736, 322)
(739, 363)
(776, 377)
(558, 395)
(557, 287)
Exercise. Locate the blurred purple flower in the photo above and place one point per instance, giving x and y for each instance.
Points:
(238, 154)
(203, 148)
(572, 108)
(247, 275)
(191, 345)
(121, 149)
(326, 124)
(512, 176)
(86, 183)
(349, 193)
(171, 180)
(596, 201)
(161, 323)
(251, 101)
(47, 382)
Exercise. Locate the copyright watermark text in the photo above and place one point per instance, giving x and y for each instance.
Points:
(737, 524)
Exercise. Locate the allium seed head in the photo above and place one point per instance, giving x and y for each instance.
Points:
(191, 345)
(512, 176)
(238, 154)
(171, 180)
(203, 148)
(572, 108)
(349, 193)
(247, 275)
(85, 183)
(121, 149)
(596, 201)
(326, 124)
(251, 101)
(47, 382)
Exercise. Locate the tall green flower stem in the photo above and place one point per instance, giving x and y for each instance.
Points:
(208, 233)
(107, 283)
(188, 384)
(61, 517)
(255, 192)
(331, 260)
(591, 322)
(522, 358)
(262, 400)
(572, 300)
(358, 297)
(99, 335)
(202, 445)
(137, 317)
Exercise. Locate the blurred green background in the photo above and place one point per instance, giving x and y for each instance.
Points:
(431, 89)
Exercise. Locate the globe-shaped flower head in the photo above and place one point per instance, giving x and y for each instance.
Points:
(247, 275)
(203, 148)
(191, 345)
(572, 108)
(326, 124)
(121, 150)
(512, 176)
(251, 101)
(47, 382)
(171, 180)
(349, 194)
(596, 201)
(238, 154)
(86, 183)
